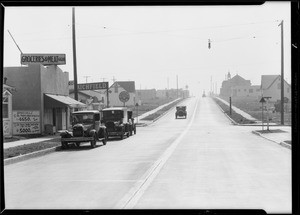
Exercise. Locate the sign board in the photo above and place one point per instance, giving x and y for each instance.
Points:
(26, 122)
(93, 86)
(44, 59)
(124, 96)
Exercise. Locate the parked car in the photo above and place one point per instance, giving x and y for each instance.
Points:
(86, 127)
(132, 124)
(116, 121)
(181, 112)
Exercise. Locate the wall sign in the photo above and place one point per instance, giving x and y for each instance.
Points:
(44, 59)
(26, 122)
(93, 86)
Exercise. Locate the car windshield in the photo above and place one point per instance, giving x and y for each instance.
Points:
(113, 115)
(86, 118)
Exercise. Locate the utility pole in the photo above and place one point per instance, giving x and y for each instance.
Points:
(86, 77)
(74, 55)
(282, 76)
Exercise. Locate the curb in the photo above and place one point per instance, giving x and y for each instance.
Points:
(280, 143)
(232, 121)
(29, 155)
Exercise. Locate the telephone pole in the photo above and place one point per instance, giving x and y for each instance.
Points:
(282, 76)
(74, 55)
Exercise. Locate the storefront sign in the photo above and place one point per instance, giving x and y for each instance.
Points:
(26, 128)
(93, 86)
(26, 116)
(26, 122)
(45, 59)
(124, 96)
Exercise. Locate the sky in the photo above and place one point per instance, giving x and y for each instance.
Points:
(153, 45)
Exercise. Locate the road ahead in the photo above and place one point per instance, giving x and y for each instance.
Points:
(199, 162)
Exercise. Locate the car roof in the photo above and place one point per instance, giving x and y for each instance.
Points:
(86, 111)
(114, 108)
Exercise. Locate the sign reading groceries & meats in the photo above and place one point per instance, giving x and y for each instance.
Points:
(44, 59)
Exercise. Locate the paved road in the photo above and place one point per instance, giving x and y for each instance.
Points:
(199, 162)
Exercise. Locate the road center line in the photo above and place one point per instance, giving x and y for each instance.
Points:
(135, 193)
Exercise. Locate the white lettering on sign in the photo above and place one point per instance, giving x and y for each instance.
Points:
(26, 122)
(26, 128)
(93, 86)
(45, 59)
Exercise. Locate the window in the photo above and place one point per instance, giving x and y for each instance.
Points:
(250, 90)
(5, 110)
(116, 88)
(279, 86)
(5, 106)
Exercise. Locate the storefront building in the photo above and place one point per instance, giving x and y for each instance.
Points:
(41, 103)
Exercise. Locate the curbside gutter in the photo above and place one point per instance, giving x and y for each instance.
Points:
(30, 155)
(284, 144)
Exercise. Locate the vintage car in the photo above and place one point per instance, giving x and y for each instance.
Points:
(116, 121)
(86, 127)
(180, 112)
(132, 125)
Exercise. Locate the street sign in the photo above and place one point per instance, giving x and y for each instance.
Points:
(262, 100)
(124, 96)
(93, 86)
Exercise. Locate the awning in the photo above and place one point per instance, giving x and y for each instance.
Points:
(52, 101)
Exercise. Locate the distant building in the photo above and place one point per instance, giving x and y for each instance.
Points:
(228, 85)
(145, 94)
(271, 87)
(253, 91)
(172, 93)
(94, 99)
(120, 88)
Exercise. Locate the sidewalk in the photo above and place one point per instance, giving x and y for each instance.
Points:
(280, 135)
(28, 141)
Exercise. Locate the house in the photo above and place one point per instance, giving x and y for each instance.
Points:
(7, 93)
(94, 99)
(271, 87)
(253, 91)
(121, 93)
(228, 85)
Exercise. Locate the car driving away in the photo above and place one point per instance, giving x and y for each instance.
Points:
(180, 112)
(116, 122)
(86, 127)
